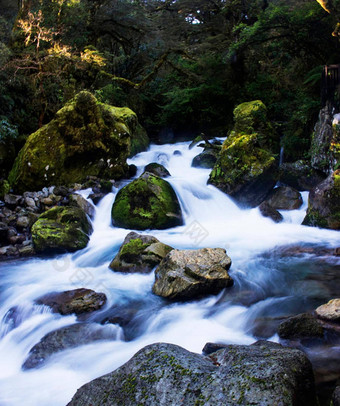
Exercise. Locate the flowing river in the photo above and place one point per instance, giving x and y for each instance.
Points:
(268, 286)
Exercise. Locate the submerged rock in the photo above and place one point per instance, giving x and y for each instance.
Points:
(68, 337)
(73, 301)
(324, 204)
(329, 311)
(85, 138)
(206, 159)
(268, 211)
(185, 274)
(165, 374)
(157, 169)
(247, 168)
(139, 253)
(61, 229)
(285, 198)
(147, 202)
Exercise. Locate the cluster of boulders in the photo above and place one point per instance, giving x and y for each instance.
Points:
(312, 331)
(247, 169)
(28, 222)
(179, 274)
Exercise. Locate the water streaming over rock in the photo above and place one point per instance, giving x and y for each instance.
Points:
(268, 286)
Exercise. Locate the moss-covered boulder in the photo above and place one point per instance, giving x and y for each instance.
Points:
(246, 168)
(139, 253)
(85, 138)
(61, 229)
(148, 202)
(324, 204)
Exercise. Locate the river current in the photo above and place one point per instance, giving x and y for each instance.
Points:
(269, 286)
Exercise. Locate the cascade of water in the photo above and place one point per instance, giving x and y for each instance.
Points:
(265, 285)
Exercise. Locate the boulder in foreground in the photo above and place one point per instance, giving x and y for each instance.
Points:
(168, 375)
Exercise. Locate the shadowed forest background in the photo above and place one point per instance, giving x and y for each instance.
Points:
(182, 65)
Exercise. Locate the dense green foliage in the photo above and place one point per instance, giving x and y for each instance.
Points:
(182, 65)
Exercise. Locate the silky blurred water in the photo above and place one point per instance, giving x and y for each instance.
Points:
(267, 286)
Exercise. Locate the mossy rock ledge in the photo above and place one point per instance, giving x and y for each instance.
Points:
(324, 204)
(262, 374)
(148, 202)
(246, 168)
(85, 138)
(61, 229)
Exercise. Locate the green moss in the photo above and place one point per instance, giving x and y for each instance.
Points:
(246, 167)
(241, 160)
(85, 138)
(4, 188)
(132, 249)
(249, 116)
(61, 229)
(147, 202)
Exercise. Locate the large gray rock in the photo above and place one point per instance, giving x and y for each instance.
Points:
(68, 337)
(168, 375)
(139, 253)
(73, 301)
(185, 274)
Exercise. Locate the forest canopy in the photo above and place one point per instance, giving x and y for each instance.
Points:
(181, 65)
